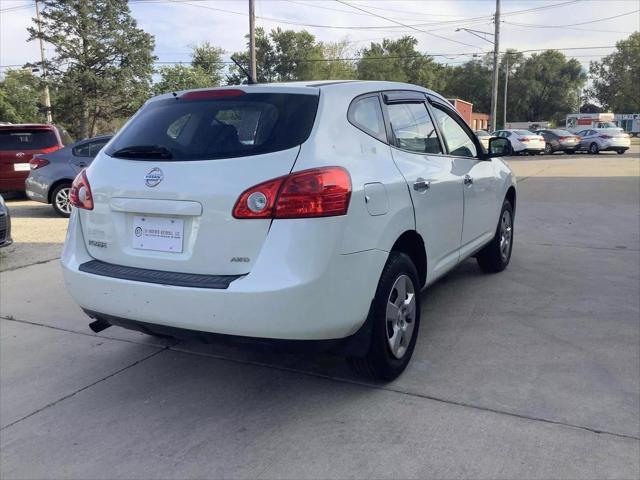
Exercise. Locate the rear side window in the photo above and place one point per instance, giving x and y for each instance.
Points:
(221, 127)
(412, 128)
(27, 139)
(366, 114)
(89, 149)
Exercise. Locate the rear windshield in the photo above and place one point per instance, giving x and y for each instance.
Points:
(27, 139)
(250, 124)
(482, 133)
(563, 133)
(523, 132)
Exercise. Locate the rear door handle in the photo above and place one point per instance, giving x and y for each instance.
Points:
(421, 185)
(468, 180)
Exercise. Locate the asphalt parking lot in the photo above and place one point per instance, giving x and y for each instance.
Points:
(531, 373)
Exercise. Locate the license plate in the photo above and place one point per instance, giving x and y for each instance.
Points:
(163, 234)
(20, 167)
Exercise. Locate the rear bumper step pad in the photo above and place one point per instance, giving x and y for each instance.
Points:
(192, 280)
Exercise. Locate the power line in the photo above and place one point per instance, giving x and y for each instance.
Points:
(405, 25)
(573, 24)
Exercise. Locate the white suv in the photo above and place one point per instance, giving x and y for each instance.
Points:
(310, 214)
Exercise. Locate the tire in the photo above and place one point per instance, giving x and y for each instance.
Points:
(620, 152)
(382, 362)
(58, 202)
(594, 149)
(496, 255)
(548, 149)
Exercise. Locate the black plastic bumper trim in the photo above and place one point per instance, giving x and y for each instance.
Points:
(193, 280)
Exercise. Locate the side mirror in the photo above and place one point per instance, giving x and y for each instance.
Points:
(499, 147)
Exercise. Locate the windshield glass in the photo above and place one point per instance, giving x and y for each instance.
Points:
(221, 127)
(27, 139)
(563, 133)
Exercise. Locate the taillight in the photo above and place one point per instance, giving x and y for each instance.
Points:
(80, 195)
(209, 94)
(319, 192)
(606, 136)
(563, 138)
(50, 149)
(37, 162)
(523, 139)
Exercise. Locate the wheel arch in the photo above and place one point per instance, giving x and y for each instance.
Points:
(55, 185)
(511, 196)
(412, 244)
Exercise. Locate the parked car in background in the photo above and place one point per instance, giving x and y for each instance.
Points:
(304, 213)
(19, 144)
(51, 174)
(5, 224)
(596, 140)
(484, 137)
(557, 140)
(523, 141)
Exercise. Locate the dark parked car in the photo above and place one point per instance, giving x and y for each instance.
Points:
(19, 144)
(5, 224)
(51, 174)
(557, 140)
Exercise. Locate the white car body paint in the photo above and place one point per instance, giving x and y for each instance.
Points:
(301, 279)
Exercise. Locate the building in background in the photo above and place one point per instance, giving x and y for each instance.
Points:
(477, 121)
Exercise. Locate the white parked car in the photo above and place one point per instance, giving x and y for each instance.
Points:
(523, 141)
(308, 214)
(484, 138)
(596, 140)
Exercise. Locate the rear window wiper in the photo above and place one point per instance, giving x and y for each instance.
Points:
(144, 151)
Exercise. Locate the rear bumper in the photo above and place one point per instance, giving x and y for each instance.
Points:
(13, 183)
(288, 295)
(36, 191)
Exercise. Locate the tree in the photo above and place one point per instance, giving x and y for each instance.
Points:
(336, 67)
(471, 82)
(616, 77)
(103, 62)
(398, 60)
(20, 93)
(545, 86)
(265, 61)
(205, 71)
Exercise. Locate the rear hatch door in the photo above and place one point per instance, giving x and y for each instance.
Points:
(18, 145)
(164, 189)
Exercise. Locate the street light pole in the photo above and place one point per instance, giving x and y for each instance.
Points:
(494, 82)
(47, 98)
(252, 41)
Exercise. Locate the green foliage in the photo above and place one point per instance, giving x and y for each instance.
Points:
(398, 60)
(616, 78)
(205, 71)
(103, 62)
(545, 86)
(20, 94)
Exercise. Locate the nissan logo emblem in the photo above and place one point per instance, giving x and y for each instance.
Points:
(154, 177)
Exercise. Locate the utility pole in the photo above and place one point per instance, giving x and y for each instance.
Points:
(252, 41)
(494, 83)
(47, 98)
(506, 84)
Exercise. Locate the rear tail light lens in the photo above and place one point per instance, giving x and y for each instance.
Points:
(319, 192)
(523, 139)
(606, 136)
(80, 195)
(36, 163)
(50, 149)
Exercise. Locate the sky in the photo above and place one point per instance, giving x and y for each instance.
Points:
(526, 25)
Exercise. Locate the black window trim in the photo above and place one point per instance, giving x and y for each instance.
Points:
(432, 103)
(409, 97)
(362, 128)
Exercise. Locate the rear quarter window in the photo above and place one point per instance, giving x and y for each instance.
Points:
(225, 127)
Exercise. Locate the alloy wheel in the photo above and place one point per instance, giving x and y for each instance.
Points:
(401, 315)
(62, 200)
(506, 234)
